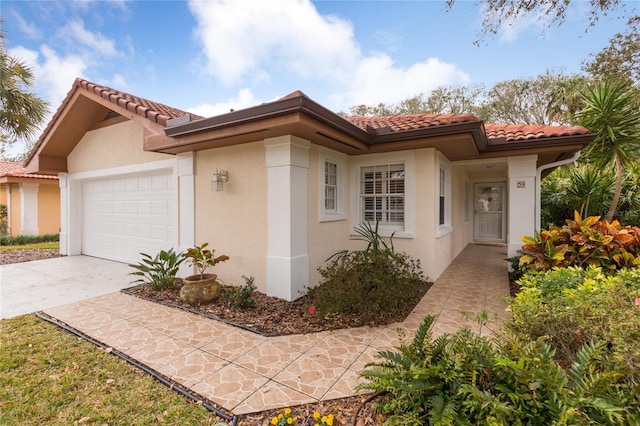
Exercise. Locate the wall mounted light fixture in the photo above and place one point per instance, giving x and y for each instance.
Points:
(219, 178)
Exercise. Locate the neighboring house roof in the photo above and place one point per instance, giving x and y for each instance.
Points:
(14, 172)
(170, 130)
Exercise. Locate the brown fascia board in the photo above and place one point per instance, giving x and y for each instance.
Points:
(298, 104)
(497, 145)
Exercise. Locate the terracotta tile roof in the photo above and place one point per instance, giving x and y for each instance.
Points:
(153, 111)
(15, 169)
(398, 123)
(497, 132)
(522, 132)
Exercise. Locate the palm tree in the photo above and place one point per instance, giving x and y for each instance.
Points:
(20, 111)
(566, 99)
(612, 112)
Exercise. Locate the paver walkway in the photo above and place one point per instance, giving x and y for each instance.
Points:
(244, 372)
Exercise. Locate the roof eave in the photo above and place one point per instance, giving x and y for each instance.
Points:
(297, 104)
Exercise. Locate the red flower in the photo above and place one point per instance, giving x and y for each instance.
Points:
(312, 310)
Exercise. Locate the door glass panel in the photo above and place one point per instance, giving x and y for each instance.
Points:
(489, 217)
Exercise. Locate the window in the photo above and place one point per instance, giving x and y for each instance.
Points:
(443, 197)
(330, 186)
(382, 194)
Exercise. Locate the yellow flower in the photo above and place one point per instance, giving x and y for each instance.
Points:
(289, 420)
(274, 421)
(280, 415)
(316, 415)
(287, 410)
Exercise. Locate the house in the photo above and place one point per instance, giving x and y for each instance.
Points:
(280, 186)
(32, 200)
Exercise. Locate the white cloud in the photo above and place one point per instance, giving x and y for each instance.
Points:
(244, 99)
(95, 42)
(243, 37)
(246, 41)
(377, 79)
(54, 74)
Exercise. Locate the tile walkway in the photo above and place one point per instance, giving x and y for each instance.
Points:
(244, 372)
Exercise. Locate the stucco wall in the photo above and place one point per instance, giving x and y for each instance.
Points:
(112, 146)
(234, 221)
(324, 237)
(15, 209)
(49, 209)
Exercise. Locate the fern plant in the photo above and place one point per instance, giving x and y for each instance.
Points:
(465, 379)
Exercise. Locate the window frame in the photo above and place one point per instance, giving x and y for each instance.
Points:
(340, 210)
(368, 160)
(443, 197)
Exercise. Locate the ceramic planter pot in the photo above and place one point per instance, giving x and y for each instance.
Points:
(196, 291)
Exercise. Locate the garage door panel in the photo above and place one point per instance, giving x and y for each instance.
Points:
(124, 216)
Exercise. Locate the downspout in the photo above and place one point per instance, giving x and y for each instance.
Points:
(539, 171)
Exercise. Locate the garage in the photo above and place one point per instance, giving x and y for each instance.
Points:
(123, 216)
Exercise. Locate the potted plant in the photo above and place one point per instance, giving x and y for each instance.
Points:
(201, 287)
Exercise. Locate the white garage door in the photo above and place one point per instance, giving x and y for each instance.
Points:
(124, 216)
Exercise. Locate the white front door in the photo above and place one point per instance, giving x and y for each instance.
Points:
(490, 204)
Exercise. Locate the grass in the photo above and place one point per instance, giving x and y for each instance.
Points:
(50, 245)
(48, 376)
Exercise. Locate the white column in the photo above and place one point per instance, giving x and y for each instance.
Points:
(287, 160)
(29, 208)
(186, 199)
(64, 214)
(522, 200)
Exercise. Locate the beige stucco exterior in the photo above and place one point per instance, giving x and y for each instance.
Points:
(49, 209)
(112, 146)
(47, 198)
(234, 221)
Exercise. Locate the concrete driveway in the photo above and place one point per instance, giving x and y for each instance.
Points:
(41, 284)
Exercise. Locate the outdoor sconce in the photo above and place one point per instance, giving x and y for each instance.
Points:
(219, 178)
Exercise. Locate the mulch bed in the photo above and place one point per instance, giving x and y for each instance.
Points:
(272, 316)
(27, 255)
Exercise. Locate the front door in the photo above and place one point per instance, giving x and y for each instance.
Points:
(490, 221)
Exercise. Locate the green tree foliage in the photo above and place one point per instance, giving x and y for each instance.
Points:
(21, 112)
(612, 112)
(442, 100)
(500, 13)
(522, 101)
(620, 60)
(589, 190)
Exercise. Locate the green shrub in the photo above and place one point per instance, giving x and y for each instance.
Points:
(241, 297)
(465, 379)
(583, 242)
(572, 306)
(159, 271)
(18, 240)
(373, 283)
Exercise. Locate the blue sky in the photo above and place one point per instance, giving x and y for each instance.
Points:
(210, 56)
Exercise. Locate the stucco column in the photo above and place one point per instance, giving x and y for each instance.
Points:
(29, 208)
(64, 213)
(186, 202)
(522, 200)
(287, 160)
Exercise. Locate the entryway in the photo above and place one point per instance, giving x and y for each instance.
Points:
(490, 224)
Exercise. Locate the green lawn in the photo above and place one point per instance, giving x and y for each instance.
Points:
(52, 245)
(48, 376)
